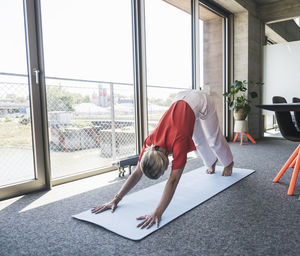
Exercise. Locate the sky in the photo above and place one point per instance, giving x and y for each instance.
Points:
(92, 40)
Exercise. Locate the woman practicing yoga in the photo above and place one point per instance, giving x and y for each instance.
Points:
(190, 123)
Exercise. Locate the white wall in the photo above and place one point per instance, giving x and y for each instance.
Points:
(281, 71)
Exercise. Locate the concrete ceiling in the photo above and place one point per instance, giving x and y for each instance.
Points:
(277, 14)
(284, 27)
(287, 30)
(282, 30)
(185, 5)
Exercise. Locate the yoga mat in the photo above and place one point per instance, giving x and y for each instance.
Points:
(194, 188)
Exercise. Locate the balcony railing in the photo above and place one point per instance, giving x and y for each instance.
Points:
(91, 123)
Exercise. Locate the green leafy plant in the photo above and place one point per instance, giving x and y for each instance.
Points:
(237, 98)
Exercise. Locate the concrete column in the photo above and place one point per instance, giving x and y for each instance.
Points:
(240, 70)
(248, 62)
(213, 63)
(255, 42)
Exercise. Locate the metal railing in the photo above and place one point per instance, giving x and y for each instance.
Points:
(91, 123)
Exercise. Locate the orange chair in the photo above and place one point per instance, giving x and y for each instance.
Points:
(289, 132)
(297, 118)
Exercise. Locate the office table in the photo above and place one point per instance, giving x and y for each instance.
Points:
(280, 107)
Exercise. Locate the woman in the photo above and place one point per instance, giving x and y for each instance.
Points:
(190, 123)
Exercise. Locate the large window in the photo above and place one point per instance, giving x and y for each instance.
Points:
(70, 63)
(22, 165)
(16, 155)
(168, 54)
(89, 78)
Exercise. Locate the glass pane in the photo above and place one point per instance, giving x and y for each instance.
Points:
(16, 155)
(158, 103)
(169, 63)
(90, 92)
(281, 68)
(211, 38)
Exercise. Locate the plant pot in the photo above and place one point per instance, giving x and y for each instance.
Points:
(240, 114)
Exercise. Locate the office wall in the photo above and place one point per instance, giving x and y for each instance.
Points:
(281, 71)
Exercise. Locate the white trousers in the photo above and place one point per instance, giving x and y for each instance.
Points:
(207, 136)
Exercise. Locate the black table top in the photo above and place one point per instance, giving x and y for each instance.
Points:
(280, 106)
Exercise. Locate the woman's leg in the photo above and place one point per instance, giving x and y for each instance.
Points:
(203, 149)
(215, 138)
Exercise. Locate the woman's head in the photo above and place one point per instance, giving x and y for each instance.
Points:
(154, 162)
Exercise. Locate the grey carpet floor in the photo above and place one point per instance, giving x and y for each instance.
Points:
(253, 217)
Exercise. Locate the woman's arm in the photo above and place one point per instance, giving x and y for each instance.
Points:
(128, 185)
(131, 181)
(167, 196)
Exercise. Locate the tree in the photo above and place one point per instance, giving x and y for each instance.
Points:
(62, 100)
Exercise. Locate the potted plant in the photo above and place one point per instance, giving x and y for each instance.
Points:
(237, 98)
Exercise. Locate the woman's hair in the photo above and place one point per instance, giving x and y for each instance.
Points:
(152, 163)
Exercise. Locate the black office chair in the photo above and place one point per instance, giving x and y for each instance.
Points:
(289, 132)
(297, 114)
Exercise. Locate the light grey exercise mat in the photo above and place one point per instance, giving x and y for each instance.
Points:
(194, 188)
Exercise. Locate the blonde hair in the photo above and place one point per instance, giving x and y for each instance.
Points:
(152, 163)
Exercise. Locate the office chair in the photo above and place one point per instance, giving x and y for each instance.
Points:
(297, 114)
(289, 132)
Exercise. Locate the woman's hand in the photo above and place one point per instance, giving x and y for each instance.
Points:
(149, 220)
(170, 187)
(100, 208)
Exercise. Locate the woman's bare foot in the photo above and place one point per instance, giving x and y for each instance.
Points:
(228, 170)
(211, 169)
